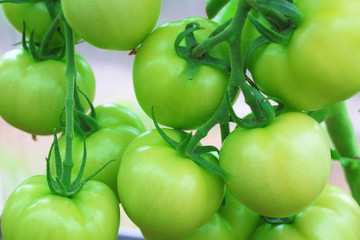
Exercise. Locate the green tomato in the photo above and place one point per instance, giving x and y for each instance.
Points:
(214, 6)
(160, 79)
(163, 193)
(319, 66)
(215, 229)
(335, 215)
(35, 15)
(32, 94)
(118, 126)
(280, 170)
(242, 220)
(32, 212)
(114, 25)
(226, 12)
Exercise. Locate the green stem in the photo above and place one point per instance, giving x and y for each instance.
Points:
(225, 130)
(232, 35)
(69, 105)
(49, 35)
(343, 136)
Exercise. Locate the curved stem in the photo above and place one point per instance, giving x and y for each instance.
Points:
(69, 105)
(343, 136)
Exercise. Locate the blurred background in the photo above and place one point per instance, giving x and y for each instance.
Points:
(21, 156)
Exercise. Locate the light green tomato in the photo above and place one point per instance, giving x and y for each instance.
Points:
(32, 94)
(319, 66)
(112, 24)
(279, 170)
(335, 215)
(32, 212)
(163, 193)
(161, 82)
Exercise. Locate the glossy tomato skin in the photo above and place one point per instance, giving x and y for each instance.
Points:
(112, 24)
(335, 215)
(280, 170)
(160, 79)
(32, 94)
(35, 15)
(233, 221)
(32, 212)
(118, 126)
(216, 228)
(164, 194)
(227, 12)
(242, 220)
(319, 65)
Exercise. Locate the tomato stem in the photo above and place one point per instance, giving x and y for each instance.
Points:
(225, 130)
(232, 35)
(262, 110)
(342, 134)
(69, 105)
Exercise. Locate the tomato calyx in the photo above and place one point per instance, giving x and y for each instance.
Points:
(181, 148)
(278, 221)
(265, 116)
(194, 61)
(57, 186)
(282, 15)
(283, 18)
(42, 50)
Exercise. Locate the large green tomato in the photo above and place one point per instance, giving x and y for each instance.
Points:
(280, 170)
(32, 212)
(35, 15)
(112, 24)
(319, 66)
(335, 215)
(163, 193)
(160, 80)
(32, 94)
(118, 126)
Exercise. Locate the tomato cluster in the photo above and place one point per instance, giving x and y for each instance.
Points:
(268, 180)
